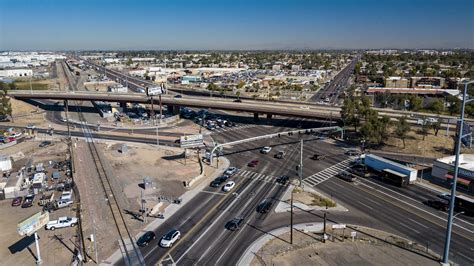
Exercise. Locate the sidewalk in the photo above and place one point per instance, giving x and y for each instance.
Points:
(250, 252)
(173, 208)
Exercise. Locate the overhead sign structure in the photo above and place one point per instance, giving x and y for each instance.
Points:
(191, 141)
(33, 223)
(154, 91)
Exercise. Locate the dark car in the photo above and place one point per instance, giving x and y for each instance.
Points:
(437, 204)
(45, 143)
(264, 206)
(237, 101)
(359, 170)
(178, 96)
(28, 201)
(280, 155)
(216, 183)
(146, 238)
(318, 157)
(253, 163)
(234, 224)
(283, 179)
(347, 176)
(16, 201)
(353, 152)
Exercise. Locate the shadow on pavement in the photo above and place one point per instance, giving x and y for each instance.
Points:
(21, 244)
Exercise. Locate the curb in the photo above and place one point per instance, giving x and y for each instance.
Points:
(249, 254)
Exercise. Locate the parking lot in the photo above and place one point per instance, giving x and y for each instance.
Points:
(44, 186)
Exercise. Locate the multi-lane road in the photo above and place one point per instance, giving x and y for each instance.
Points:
(369, 201)
(331, 91)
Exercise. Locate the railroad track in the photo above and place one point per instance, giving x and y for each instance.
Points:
(128, 246)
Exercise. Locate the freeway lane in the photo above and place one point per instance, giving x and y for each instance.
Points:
(337, 85)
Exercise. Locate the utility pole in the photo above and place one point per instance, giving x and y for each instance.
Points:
(38, 258)
(460, 135)
(301, 163)
(291, 217)
(152, 113)
(324, 224)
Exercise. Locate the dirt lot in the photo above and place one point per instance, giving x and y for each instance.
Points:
(166, 169)
(55, 246)
(24, 113)
(308, 250)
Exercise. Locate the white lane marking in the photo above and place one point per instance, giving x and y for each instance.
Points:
(418, 208)
(374, 202)
(418, 223)
(213, 192)
(406, 226)
(457, 218)
(215, 239)
(367, 206)
(215, 221)
(462, 255)
(238, 233)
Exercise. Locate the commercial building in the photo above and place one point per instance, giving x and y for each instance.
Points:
(427, 82)
(16, 73)
(443, 172)
(396, 82)
(440, 92)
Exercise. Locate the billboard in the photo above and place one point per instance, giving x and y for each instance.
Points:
(154, 91)
(33, 223)
(191, 141)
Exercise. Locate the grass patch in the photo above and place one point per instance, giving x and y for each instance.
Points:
(320, 201)
(25, 85)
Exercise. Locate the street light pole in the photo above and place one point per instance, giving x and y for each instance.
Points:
(291, 217)
(460, 135)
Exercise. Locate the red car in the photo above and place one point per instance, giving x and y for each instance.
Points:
(253, 163)
(16, 201)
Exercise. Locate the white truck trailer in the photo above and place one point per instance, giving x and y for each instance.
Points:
(391, 171)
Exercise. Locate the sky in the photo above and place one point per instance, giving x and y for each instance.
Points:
(235, 24)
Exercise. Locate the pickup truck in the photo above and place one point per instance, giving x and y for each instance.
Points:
(61, 223)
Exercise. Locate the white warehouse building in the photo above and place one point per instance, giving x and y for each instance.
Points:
(16, 73)
(443, 171)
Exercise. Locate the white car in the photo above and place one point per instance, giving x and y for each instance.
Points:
(228, 186)
(61, 223)
(231, 171)
(168, 239)
(66, 196)
(266, 150)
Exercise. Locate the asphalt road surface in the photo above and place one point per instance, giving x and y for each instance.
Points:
(331, 91)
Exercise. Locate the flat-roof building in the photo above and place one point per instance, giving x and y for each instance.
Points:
(443, 172)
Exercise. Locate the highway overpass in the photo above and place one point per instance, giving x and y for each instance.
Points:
(270, 108)
(256, 107)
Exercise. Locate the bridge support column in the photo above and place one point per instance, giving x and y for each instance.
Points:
(255, 116)
(175, 109)
(123, 105)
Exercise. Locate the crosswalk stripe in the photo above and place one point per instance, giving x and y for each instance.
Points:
(328, 173)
